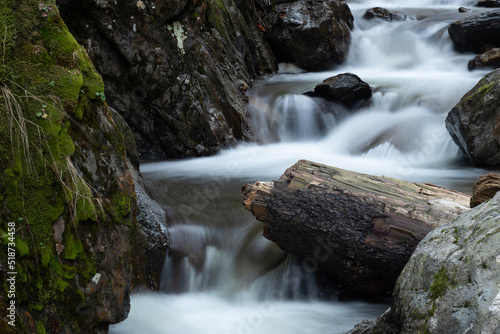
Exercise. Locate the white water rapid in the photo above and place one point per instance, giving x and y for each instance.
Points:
(223, 276)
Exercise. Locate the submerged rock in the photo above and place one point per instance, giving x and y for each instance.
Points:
(477, 33)
(485, 188)
(346, 88)
(359, 229)
(174, 69)
(490, 58)
(313, 34)
(384, 14)
(452, 282)
(474, 123)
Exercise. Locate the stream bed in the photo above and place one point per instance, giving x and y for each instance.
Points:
(232, 280)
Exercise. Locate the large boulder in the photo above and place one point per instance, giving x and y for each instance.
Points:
(452, 282)
(474, 123)
(490, 58)
(313, 34)
(358, 229)
(346, 88)
(477, 33)
(485, 188)
(175, 70)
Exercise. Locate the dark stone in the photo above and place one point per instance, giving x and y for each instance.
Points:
(313, 34)
(384, 14)
(477, 33)
(474, 123)
(346, 88)
(488, 4)
(173, 69)
(463, 10)
(485, 188)
(490, 58)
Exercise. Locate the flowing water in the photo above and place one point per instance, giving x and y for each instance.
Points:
(222, 276)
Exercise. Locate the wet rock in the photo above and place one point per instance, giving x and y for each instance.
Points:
(173, 69)
(313, 34)
(384, 14)
(346, 88)
(359, 229)
(490, 58)
(477, 33)
(452, 282)
(463, 9)
(485, 188)
(474, 123)
(488, 4)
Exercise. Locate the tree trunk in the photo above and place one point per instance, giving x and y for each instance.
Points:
(359, 229)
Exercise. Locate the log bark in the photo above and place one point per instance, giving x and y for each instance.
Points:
(358, 229)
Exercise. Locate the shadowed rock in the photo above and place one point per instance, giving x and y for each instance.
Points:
(346, 88)
(313, 34)
(477, 33)
(384, 14)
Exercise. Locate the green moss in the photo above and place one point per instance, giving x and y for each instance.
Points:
(72, 247)
(37, 308)
(22, 247)
(439, 284)
(40, 329)
(67, 147)
(483, 89)
(45, 255)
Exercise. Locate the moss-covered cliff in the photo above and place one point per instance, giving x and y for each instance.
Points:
(64, 181)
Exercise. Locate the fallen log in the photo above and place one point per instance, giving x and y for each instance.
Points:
(358, 229)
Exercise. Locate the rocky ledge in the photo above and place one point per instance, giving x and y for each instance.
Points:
(359, 229)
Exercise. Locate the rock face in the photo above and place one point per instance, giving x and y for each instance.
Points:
(175, 70)
(385, 14)
(66, 184)
(359, 229)
(485, 188)
(474, 123)
(346, 88)
(490, 58)
(477, 33)
(452, 282)
(313, 34)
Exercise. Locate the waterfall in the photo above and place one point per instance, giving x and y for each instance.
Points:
(221, 275)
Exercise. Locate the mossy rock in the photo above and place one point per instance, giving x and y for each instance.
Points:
(52, 125)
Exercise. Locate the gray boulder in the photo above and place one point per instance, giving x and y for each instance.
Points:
(474, 123)
(313, 34)
(452, 282)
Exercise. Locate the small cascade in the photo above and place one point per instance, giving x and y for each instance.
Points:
(221, 275)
